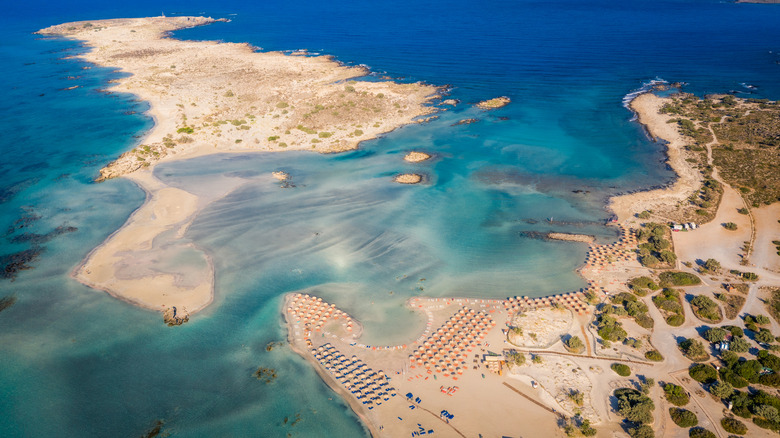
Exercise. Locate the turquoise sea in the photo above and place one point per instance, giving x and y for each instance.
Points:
(76, 362)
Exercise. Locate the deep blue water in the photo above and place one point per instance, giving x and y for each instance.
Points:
(75, 362)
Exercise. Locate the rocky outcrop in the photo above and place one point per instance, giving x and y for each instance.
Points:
(416, 157)
(465, 122)
(173, 317)
(408, 178)
(494, 103)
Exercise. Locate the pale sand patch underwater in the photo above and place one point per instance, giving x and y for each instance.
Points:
(208, 97)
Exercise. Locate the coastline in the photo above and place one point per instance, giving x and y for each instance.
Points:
(688, 179)
(208, 97)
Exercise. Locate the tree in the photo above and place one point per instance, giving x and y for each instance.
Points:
(586, 429)
(729, 357)
(693, 349)
(700, 432)
(715, 334)
(732, 425)
(703, 373)
(621, 369)
(721, 389)
(683, 417)
(739, 345)
(764, 336)
(574, 343)
(768, 412)
(712, 265)
(676, 394)
(643, 431)
(634, 406)
(731, 226)
(668, 257)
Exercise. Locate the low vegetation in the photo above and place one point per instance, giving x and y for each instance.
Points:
(706, 309)
(628, 304)
(732, 304)
(654, 356)
(641, 285)
(635, 407)
(759, 406)
(574, 344)
(670, 304)
(703, 373)
(676, 394)
(700, 432)
(683, 417)
(654, 246)
(773, 304)
(620, 369)
(732, 425)
(677, 278)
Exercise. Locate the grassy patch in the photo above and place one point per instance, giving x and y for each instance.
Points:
(676, 278)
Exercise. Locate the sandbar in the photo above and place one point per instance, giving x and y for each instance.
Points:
(210, 97)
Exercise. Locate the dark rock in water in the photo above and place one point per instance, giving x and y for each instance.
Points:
(287, 185)
(7, 302)
(155, 430)
(8, 192)
(172, 317)
(11, 264)
(23, 222)
(272, 345)
(465, 122)
(579, 192)
(534, 235)
(531, 221)
(503, 119)
(37, 239)
(266, 375)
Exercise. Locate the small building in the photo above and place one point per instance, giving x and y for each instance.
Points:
(494, 364)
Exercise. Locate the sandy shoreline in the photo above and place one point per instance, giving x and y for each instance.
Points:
(207, 97)
(647, 107)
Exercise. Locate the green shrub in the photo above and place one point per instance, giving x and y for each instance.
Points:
(634, 406)
(676, 394)
(654, 355)
(642, 431)
(621, 369)
(705, 309)
(677, 278)
(325, 134)
(700, 432)
(703, 373)
(675, 320)
(643, 283)
(185, 130)
(693, 349)
(731, 226)
(721, 389)
(715, 334)
(732, 425)
(683, 417)
(574, 344)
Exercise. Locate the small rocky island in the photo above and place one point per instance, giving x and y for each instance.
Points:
(494, 103)
(408, 178)
(416, 157)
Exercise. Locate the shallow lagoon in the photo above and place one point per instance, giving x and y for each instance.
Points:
(76, 362)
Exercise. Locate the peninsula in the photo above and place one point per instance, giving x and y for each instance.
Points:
(208, 97)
